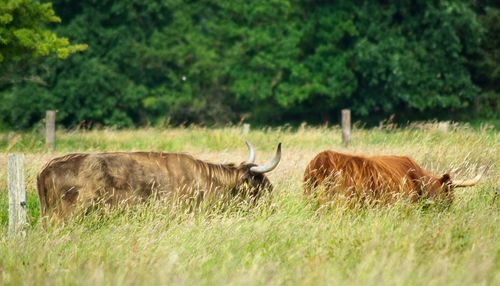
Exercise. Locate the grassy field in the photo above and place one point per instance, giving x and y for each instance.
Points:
(289, 241)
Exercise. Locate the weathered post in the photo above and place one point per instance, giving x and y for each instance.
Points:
(443, 126)
(246, 128)
(346, 127)
(50, 129)
(17, 193)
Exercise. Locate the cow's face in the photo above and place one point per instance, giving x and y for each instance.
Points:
(442, 189)
(251, 178)
(252, 183)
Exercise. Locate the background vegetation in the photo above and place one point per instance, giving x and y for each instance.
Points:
(24, 36)
(289, 240)
(169, 62)
(216, 61)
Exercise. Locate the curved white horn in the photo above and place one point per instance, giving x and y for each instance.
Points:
(270, 165)
(468, 183)
(251, 155)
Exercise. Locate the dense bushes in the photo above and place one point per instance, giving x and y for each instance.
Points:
(264, 61)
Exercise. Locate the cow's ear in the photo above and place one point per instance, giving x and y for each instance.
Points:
(445, 179)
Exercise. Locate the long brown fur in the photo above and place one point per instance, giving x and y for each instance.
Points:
(376, 178)
(75, 180)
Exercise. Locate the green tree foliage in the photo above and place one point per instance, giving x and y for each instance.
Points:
(217, 61)
(485, 64)
(24, 37)
(23, 32)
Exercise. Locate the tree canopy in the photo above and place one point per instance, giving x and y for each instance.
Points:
(274, 61)
(25, 37)
(23, 31)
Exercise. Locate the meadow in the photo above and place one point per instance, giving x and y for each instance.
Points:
(289, 240)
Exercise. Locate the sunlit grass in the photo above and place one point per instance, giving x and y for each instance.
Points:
(285, 241)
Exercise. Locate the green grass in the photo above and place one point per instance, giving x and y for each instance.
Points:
(289, 241)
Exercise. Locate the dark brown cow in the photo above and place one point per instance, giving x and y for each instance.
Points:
(376, 179)
(79, 179)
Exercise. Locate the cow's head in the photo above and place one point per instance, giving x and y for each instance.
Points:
(442, 187)
(251, 178)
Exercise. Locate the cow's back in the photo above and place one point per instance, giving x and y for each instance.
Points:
(380, 177)
(80, 179)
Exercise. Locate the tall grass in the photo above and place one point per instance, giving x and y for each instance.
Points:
(286, 241)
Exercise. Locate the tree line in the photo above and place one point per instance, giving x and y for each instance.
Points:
(267, 62)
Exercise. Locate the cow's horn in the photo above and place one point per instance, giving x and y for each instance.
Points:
(468, 183)
(269, 166)
(251, 155)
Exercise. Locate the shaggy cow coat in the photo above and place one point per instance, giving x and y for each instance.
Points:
(75, 180)
(374, 179)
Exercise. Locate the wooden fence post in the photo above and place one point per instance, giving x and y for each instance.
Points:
(346, 127)
(246, 128)
(50, 129)
(17, 193)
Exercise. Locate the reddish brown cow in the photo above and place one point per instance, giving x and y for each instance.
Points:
(376, 178)
(82, 179)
